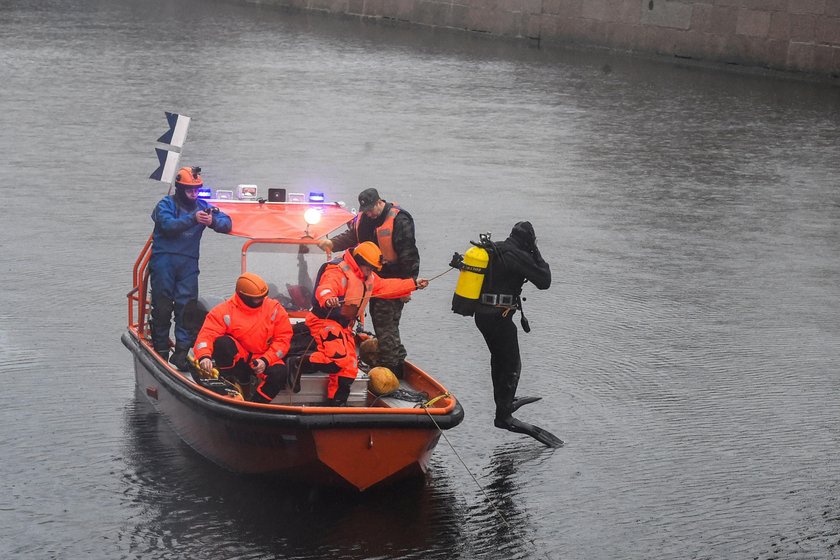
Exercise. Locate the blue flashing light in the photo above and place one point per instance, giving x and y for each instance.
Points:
(316, 197)
(205, 192)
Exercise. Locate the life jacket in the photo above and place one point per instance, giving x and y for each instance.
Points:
(384, 234)
(355, 297)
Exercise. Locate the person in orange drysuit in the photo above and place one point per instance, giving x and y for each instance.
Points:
(343, 288)
(249, 334)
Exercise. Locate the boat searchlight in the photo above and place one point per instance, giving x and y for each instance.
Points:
(312, 216)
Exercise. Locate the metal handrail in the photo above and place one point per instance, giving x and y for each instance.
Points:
(137, 303)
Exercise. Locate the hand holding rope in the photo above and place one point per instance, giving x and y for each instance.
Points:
(420, 283)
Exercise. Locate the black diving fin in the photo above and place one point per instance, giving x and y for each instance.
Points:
(543, 436)
(522, 401)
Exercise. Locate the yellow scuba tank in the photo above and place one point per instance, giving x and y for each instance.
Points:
(473, 264)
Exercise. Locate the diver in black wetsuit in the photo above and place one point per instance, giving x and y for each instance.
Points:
(513, 262)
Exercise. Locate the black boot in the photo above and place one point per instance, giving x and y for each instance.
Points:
(343, 392)
(503, 423)
(160, 321)
(162, 352)
(179, 358)
(504, 391)
(397, 369)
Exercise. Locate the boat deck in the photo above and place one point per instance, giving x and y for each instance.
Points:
(313, 388)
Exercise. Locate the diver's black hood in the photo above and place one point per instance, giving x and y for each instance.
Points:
(183, 200)
(523, 236)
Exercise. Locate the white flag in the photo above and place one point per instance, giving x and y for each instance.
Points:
(168, 165)
(177, 133)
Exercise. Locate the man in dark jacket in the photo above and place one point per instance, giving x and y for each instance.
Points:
(180, 220)
(391, 228)
(513, 262)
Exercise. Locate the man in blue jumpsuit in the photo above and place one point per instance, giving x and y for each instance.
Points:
(180, 220)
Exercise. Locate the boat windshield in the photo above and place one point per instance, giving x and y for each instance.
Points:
(288, 269)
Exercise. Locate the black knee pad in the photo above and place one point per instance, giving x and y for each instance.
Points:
(163, 309)
(224, 352)
(277, 377)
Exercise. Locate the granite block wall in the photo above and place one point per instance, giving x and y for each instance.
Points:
(789, 35)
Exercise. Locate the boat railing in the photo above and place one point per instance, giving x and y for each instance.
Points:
(138, 305)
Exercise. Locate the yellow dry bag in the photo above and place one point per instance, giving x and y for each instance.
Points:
(472, 265)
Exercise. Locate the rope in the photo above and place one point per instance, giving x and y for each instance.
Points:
(466, 468)
(383, 294)
(427, 404)
(441, 274)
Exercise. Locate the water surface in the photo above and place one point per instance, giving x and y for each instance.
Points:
(686, 351)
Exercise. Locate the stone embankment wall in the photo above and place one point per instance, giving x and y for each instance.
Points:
(790, 35)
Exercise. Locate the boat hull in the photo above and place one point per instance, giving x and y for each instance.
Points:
(357, 450)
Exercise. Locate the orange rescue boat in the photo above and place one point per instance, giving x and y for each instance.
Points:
(374, 440)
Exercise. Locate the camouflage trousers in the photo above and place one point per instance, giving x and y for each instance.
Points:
(386, 314)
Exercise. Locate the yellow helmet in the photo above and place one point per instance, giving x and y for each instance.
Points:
(251, 285)
(369, 254)
(383, 381)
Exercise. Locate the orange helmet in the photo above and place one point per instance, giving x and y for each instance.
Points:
(188, 177)
(251, 285)
(369, 254)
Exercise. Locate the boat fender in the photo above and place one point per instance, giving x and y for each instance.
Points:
(382, 381)
(473, 265)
